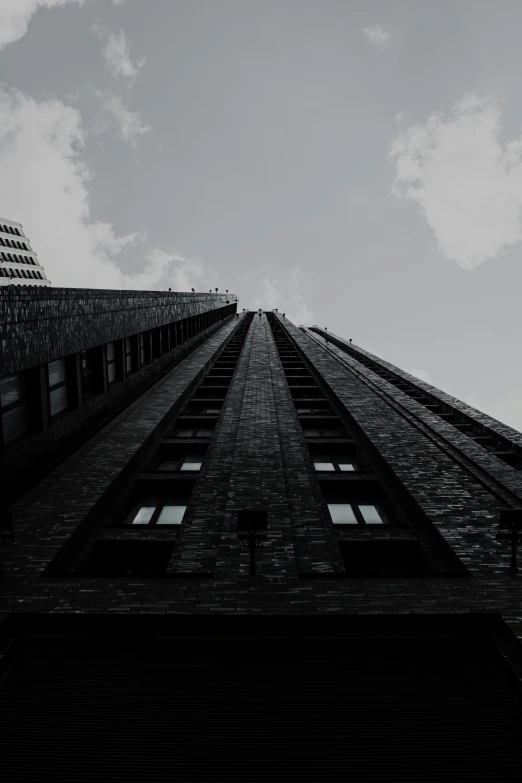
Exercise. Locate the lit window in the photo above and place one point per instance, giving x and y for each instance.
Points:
(143, 515)
(331, 462)
(370, 515)
(342, 514)
(171, 515)
(155, 513)
(323, 463)
(355, 514)
(192, 462)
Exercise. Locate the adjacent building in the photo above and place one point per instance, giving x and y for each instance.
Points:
(247, 550)
(19, 264)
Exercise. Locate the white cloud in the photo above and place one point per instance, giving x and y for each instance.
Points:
(41, 158)
(423, 375)
(398, 118)
(377, 35)
(468, 185)
(287, 299)
(15, 16)
(171, 270)
(116, 51)
(119, 2)
(129, 124)
(271, 297)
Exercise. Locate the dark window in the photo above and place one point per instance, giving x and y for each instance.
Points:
(130, 354)
(324, 432)
(185, 462)
(194, 432)
(165, 338)
(92, 378)
(111, 362)
(13, 406)
(381, 557)
(122, 558)
(156, 343)
(58, 386)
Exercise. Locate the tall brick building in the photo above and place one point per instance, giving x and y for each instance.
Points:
(245, 550)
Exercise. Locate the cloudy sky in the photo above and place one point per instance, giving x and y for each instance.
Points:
(356, 164)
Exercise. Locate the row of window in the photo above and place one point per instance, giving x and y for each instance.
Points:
(72, 383)
(500, 448)
(15, 258)
(9, 230)
(28, 274)
(177, 456)
(331, 449)
(13, 243)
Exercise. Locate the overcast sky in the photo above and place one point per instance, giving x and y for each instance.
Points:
(356, 164)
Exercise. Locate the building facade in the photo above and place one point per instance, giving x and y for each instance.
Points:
(19, 264)
(283, 557)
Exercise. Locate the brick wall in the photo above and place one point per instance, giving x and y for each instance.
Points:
(39, 325)
(258, 455)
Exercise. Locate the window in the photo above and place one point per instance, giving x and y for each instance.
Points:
(355, 514)
(91, 372)
(324, 432)
(383, 557)
(192, 462)
(129, 558)
(156, 512)
(333, 463)
(194, 432)
(111, 363)
(142, 349)
(181, 462)
(13, 406)
(130, 355)
(156, 343)
(58, 387)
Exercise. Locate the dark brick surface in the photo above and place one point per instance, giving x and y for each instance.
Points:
(492, 467)
(258, 454)
(39, 325)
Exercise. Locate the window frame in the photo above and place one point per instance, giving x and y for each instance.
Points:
(111, 363)
(60, 385)
(195, 430)
(159, 504)
(130, 355)
(335, 460)
(355, 508)
(178, 461)
(19, 403)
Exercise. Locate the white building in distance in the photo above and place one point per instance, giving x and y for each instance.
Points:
(19, 265)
